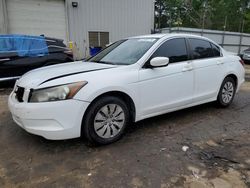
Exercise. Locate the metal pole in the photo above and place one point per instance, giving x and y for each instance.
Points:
(223, 35)
(170, 23)
(241, 36)
(204, 16)
(154, 18)
(243, 25)
(240, 43)
(159, 19)
(203, 23)
(225, 24)
(4, 13)
(179, 18)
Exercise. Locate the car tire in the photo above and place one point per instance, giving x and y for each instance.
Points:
(105, 121)
(227, 92)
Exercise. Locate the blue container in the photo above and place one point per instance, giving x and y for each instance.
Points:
(94, 50)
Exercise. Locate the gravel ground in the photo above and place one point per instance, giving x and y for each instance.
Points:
(204, 146)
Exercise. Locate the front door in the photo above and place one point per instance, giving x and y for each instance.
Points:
(165, 88)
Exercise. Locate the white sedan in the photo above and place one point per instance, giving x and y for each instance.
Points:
(130, 80)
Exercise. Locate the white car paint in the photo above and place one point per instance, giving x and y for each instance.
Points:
(154, 91)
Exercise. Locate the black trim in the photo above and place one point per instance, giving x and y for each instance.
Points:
(19, 93)
(65, 75)
(221, 55)
(30, 94)
(189, 50)
(149, 66)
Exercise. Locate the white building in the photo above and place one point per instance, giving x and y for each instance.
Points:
(86, 22)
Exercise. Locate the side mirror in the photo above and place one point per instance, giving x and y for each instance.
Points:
(159, 62)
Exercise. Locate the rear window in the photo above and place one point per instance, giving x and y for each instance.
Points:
(216, 50)
(200, 49)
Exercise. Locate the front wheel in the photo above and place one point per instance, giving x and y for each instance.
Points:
(227, 92)
(105, 121)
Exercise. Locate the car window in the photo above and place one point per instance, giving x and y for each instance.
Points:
(124, 52)
(174, 49)
(200, 48)
(216, 50)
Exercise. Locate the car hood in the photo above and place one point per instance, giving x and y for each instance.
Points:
(39, 76)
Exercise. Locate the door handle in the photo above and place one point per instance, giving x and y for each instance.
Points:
(5, 59)
(220, 62)
(187, 67)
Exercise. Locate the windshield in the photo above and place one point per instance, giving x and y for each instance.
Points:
(124, 52)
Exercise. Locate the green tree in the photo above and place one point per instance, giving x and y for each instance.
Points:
(230, 15)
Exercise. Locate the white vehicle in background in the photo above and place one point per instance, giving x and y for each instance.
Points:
(130, 80)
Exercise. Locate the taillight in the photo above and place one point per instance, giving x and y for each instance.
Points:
(242, 62)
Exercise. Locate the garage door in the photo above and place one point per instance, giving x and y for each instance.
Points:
(36, 17)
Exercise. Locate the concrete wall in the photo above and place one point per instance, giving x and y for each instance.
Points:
(231, 41)
(121, 18)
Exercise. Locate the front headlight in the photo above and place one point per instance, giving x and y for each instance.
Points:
(56, 93)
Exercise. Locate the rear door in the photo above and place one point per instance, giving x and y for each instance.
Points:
(207, 63)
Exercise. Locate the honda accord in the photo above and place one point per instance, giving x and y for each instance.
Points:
(130, 80)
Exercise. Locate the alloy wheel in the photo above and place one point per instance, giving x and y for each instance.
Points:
(109, 120)
(227, 92)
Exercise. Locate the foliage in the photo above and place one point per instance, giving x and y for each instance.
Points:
(230, 15)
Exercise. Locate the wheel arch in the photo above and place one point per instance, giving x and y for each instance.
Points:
(234, 77)
(230, 75)
(122, 95)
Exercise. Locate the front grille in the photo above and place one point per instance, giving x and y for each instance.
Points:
(19, 93)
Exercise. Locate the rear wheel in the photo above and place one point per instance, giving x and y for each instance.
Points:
(227, 92)
(106, 120)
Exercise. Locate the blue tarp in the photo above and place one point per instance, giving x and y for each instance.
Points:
(23, 45)
(94, 50)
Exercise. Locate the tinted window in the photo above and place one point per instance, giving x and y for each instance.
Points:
(200, 48)
(174, 49)
(216, 50)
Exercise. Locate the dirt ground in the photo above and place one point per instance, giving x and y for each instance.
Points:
(199, 147)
